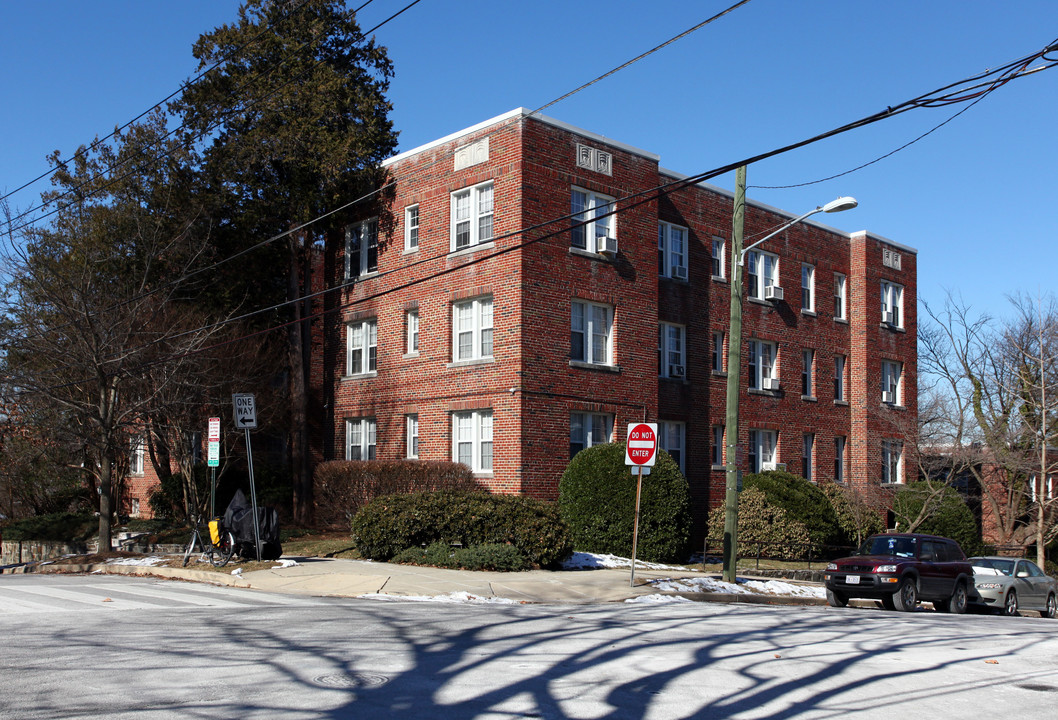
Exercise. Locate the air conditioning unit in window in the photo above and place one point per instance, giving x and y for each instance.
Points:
(773, 292)
(607, 245)
(888, 397)
(679, 272)
(764, 466)
(770, 383)
(887, 317)
(675, 370)
(779, 466)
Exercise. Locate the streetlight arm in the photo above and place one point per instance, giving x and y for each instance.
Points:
(769, 236)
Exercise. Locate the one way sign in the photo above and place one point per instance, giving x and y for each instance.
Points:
(245, 411)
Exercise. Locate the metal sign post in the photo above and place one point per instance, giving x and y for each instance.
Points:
(246, 418)
(640, 452)
(212, 461)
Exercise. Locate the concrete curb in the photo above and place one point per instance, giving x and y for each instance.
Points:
(169, 573)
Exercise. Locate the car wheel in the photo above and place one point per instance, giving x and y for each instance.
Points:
(1052, 607)
(906, 596)
(959, 600)
(887, 602)
(836, 599)
(1010, 605)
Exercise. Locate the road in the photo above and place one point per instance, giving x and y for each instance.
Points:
(124, 647)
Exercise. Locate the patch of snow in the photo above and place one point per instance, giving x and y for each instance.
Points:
(594, 561)
(237, 572)
(453, 597)
(284, 563)
(759, 587)
(148, 561)
(657, 599)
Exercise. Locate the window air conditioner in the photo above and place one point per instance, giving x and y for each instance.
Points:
(675, 370)
(607, 245)
(773, 292)
(887, 317)
(779, 466)
(770, 383)
(888, 397)
(764, 466)
(679, 272)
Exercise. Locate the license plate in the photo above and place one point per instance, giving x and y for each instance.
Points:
(852, 579)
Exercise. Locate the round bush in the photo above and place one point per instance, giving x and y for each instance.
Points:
(762, 526)
(803, 501)
(947, 514)
(597, 498)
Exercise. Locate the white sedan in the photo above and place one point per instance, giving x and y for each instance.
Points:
(1013, 584)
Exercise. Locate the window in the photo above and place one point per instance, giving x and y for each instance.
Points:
(762, 272)
(839, 458)
(672, 251)
(472, 216)
(472, 329)
(671, 440)
(588, 429)
(839, 378)
(590, 229)
(718, 257)
(411, 323)
(411, 423)
(840, 296)
(670, 351)
(472, 439)
(360, 439)
(762, 366)
(891, 390)
(361, 347)
(718, 351)
(892, 461)
(361, 248)
(1048, 492)
(717, 449)
(808, 287)
(892, 304)
(761, 454)
(137, 455)
(808, 446)
(807, 361)
(590, 333)
(411, 228)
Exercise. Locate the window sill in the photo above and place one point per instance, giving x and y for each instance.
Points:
(409, 356)
(720, 279)
(808, 313)
(682, 281)
(471, 362)
(843, 403)
(891, 484)
(594, 366)
(893, 328)
(673, 378)
(362, 276)
(410, 251)
(894, 406)
(841, 321)
(590, 254)
(809, 398)
(360, 376)
(470, 250)
(766, 393)
(718, 467)
(718, 373)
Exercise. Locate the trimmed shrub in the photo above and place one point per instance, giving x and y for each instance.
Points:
(58, 527)
(947, 514)
(597, 496)
(342, 487)
(763, 525)
(803, 501)
(390, 524)
(503, 558)
(857, 518)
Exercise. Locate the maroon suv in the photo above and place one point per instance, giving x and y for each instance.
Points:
(901, 569)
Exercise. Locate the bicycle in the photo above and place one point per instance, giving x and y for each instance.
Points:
(218, 550)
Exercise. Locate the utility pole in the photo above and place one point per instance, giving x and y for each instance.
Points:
(734, 370)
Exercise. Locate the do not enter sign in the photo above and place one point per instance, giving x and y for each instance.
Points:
(642, 448)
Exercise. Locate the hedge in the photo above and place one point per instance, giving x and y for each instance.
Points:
(803, 501)
(762, 525)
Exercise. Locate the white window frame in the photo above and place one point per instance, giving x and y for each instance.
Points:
(477, 325)
(590, 206)
(840, 363)
(478, 213)
(361, 241)
(716, 449)
(841, 295)
(892, 304)
(762, 359)
(808, 449)
(411, 331)
(717, 267)
(411, 228)
(763, 446)
(589, 429)
(892, 381)
(672, 438)
(808, 362)
(361, 336)
(593, 323)
(892, 462)
(840, 451)
(717, 357)
(138, 455)
(472, 439)
(672, 344)
(411, 436)
(361, 438)
(808, 288)
(1033, 493)
(673, 250)
(758, 281)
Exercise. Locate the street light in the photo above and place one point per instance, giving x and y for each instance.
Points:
(734, 356)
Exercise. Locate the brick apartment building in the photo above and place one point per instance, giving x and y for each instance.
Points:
(480, 322)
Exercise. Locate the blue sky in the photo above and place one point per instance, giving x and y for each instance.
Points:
(976, 198)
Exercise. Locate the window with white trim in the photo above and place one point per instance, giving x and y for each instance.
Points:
(472, 216)
(411, 441)
(891, 386)
(892, 304)
(716, 450)
(807, 365)
(839, 458)
(762, 272)
(137, 455)
(361, 248)
(808, 287)
(472, 329)
(589, 429)
(761, 365)
(672, 251)
(411, 228)
(718, 351)
(591, 338)
(360, 438)
(892, 462)
(1034, 488)
(840, 297)
(592, 222)
(671, 437)
(472, 439)
(361, 347)
(839, 378)
(411, 331)
(671, 343)
(718, 258)
(808, 448)
(761, 455)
